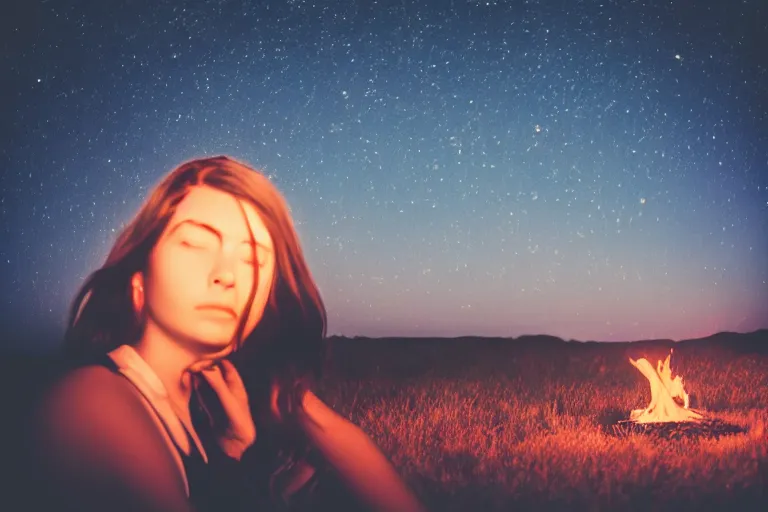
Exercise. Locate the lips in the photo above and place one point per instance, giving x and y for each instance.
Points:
(217, 307)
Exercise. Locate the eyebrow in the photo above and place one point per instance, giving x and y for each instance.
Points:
(213, 230)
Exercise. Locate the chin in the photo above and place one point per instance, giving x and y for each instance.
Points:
(209, 345)
(214, 346)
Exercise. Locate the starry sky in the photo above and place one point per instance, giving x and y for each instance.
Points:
(590, 170)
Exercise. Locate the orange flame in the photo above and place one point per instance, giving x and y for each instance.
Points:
(663, 407)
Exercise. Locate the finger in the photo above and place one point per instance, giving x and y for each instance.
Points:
(231, 375)
(216, 380)
(200, 393)
(212, 410)
(234, 382)
(228, 401)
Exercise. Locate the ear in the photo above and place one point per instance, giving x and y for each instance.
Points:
(137, 291)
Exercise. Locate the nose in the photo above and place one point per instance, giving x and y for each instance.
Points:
(225, 279)
(223, 273)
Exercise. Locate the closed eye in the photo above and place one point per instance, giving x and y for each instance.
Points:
(250, 262)
(260, 257)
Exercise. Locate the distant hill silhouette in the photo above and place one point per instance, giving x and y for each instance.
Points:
(16, 365)
(753, 342)
(359, 357)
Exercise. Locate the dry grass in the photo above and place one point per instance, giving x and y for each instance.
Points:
(520, 428)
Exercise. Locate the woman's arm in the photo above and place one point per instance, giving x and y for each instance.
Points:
(357, 459)
(99, 449)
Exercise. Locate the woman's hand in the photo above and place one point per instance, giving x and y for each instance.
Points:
(236, 430)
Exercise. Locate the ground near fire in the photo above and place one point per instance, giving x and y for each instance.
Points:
(531, 423)
(537, 423)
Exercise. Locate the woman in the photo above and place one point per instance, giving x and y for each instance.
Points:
(155, 416)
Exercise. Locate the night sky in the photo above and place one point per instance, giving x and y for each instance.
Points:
(590, 170)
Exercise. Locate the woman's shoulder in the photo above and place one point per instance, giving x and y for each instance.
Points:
(92, 427)
(86, 391)
(83, 381)
(84, 395)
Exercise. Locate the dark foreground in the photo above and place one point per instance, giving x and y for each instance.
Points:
(499, 424)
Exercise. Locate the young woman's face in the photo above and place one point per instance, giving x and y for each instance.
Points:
(201, 270)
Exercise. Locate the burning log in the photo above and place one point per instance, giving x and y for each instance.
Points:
(664, 390)
(665, 417)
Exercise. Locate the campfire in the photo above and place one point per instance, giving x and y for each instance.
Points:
(669, 415)
(665, 391)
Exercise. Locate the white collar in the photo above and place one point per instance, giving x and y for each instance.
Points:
(130, 363)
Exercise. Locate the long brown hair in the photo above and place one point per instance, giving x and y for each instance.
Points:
(287, 347)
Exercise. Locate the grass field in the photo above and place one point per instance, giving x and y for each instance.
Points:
(526, 424)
